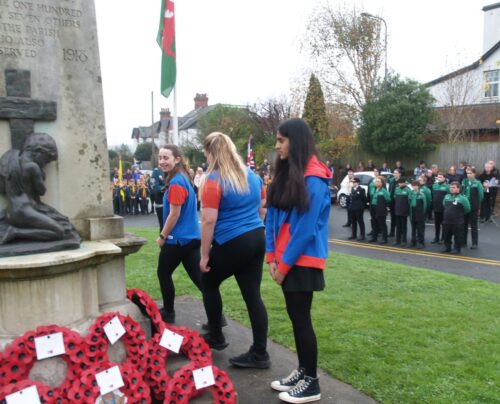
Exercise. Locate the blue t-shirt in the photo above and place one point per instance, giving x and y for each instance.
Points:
(181, 192)
(238, 213)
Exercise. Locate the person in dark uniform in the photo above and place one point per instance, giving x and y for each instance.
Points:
(439, 190)
(393, 184)
(357, 203)
(456, 206)
(474, 192)
(418, 209)
(380, 201)
(401, 211)
(143, 194)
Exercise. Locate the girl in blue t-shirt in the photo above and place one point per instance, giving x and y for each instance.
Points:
(233, 243)
(179, 237)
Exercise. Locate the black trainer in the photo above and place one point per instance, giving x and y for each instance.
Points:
(251, 359)
(217, 343)
(223, 323)
(290, 381)
(167, 316)
(306, 391)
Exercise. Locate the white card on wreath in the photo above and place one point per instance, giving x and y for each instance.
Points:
(29, 395)
(109, 380)
(49, 346)
(171, 341)
(203, 377)
(114, 330)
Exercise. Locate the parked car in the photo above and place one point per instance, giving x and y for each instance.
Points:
(365, 177)
(333, 193)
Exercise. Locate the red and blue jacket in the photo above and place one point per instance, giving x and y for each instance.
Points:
(301, 238)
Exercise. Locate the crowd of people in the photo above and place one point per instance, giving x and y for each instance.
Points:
(246, 218)
(249, 216)
(455, 200)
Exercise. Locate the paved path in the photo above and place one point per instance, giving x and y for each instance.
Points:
(253, 385)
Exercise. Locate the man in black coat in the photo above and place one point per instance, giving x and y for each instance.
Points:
(357, 203)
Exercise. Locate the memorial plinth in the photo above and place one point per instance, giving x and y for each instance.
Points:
(67, 288)
(50, 82)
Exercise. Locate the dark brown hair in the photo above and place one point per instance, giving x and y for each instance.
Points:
(180, 167)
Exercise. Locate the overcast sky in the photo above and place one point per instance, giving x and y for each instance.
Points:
(240, 51)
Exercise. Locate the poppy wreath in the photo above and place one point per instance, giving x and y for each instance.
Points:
(148, 307)
(20, 357)
(87, 389)
(47, 394)
(134, 341)
(181, 387)
(193, 347)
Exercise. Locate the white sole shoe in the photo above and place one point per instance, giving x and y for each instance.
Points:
(289, 399)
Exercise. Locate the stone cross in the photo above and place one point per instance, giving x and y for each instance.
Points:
(20, 109)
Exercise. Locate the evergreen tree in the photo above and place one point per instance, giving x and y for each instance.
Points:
(315, 110)
(395, 122)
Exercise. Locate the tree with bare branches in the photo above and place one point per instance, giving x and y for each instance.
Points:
(349, 51)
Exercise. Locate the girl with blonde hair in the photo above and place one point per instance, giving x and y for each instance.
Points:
(233, 243)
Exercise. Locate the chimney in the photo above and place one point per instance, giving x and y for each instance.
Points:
(200, 101)
(491, 26)
(165, 113)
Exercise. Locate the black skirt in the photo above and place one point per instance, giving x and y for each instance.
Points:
(304, 279)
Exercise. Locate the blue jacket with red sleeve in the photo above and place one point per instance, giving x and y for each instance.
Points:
(301, 238)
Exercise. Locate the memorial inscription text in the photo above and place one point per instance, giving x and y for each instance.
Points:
(27, 26)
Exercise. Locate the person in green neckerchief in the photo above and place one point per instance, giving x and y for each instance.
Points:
(393, 185)
(418, 213)
(474, 191)
(401, 211)
(427, 192)
(379, 201)
(371, 190)
(439, 190)
(456, 206)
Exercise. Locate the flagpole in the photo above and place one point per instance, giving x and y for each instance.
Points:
(175, 124)
(152, 132)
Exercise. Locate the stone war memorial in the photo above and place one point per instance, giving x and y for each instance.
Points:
(70, 331)
(62, 251)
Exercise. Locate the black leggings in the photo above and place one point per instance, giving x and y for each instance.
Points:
(171, 255)
(298, 306)
(242, 257)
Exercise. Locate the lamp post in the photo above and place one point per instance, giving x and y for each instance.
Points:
(376, 17)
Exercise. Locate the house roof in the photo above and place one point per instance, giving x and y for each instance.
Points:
(467, 68)
(144, 132)
(491, 7)
(470, 117)
(190, 120)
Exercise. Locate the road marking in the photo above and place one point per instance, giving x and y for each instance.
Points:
(421, 253)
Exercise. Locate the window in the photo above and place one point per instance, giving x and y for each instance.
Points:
(364, 179)
(491, 81)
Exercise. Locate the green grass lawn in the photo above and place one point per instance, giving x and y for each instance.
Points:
(400, 334)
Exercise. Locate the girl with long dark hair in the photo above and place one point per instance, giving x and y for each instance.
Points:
(297, 246)
(179, 238)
